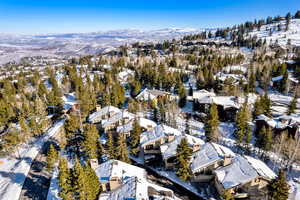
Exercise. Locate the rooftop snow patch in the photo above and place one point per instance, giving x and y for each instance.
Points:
(157, 133)
(261, 168)
(104, 111)
(115, 168)
(169, 149)
(237, 173)
(204, 157)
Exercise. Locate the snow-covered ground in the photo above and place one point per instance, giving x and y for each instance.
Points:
(13, 171)
(282, 36)
(54, 187)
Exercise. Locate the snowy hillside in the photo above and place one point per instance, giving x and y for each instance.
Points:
(271, 33)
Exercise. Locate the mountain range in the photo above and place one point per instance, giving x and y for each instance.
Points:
(13, 47)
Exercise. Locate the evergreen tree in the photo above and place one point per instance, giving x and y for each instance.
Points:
(92, 182)
(211, 127)
(111, 146)
(279, 188)
(182, 95)
(79, 182)
(183, 157)
(267, 105)
(52, 157)
(90, 144)
(64, 180)
(293, 105)
(121, 150)
(24, 127)
(297, 15)
(264, 139)
(135, 138)
(252, 80)
(242, 123)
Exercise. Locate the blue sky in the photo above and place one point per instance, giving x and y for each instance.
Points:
(66, 16)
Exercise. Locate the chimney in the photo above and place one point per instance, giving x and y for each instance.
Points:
(170, 137)
(196, 147)
(98, 108)
(94, 164)
(227, 160)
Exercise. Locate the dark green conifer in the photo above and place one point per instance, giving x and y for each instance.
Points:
(211, 127)
(183, 157)
(279, 188)
(135, 138)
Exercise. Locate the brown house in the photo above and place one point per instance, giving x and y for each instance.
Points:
(245, 177)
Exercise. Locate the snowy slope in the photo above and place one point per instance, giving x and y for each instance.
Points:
(282, 36)
(13, 171)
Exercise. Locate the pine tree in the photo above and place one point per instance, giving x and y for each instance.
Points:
(252, 80)
(135, 138)
(264, 139)
(279, 188)
(293, 105)
(64, 178)
(182, 95)
(72, 125)
(24, 127)
(111, 146)
(121, 150)
(242, 123)
(52, 157)
(183, 157)
(79, 182)
(211, 127)
(92, 182)
(267, 105)
(90, 143)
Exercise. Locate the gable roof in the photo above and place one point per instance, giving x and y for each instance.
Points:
(115, 168)
(208, 154)
(157, 133)
(169, 149)
(102, 112)
(237, 173)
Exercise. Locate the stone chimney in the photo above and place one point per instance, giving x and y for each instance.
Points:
(94, 164)
(98, 108)
(227, 160)
(170, 138)
(196, 147)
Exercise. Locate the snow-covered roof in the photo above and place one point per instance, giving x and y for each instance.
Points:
(237, 77)
(237, 173)
(136, 188)
(202, 93)
(204, 157)
(143, 122)
(115, 168)
(123, 75)
(157, 133)
(103, 112)
(117, 117)
(226, 101)
(261, 168)
(235, 68)
(223, 151)
(169, 149)
(134, 183)
(150, 94)
(282, 121)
